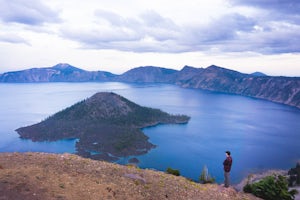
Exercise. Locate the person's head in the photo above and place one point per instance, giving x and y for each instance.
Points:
(227, 153)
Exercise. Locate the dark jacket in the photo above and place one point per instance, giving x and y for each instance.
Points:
(227, 164)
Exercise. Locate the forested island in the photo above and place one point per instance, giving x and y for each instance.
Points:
(107, 126)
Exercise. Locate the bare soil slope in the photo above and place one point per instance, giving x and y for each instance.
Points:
(30, 176)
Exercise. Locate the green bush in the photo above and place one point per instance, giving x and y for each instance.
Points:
(271, 188)
(205, 177)
(294, 174)
(173, 171)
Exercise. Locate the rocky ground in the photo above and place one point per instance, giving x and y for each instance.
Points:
(35, 176)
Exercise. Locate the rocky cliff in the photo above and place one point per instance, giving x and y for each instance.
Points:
(284, 90)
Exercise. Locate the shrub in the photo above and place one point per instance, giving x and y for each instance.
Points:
(271, 188)
(205, 177)
(173, 171)
(294, 174)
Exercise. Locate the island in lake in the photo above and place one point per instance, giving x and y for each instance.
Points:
(107, 126)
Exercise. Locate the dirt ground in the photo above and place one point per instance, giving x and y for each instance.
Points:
(36, 176)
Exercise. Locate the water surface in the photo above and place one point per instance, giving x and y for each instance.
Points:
(260, 134)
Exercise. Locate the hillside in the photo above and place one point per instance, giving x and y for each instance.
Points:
(285, 90)
(35, 176)
(106, 125)
(59, 73)
(148, 74)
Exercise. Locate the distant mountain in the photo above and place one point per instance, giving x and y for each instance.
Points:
(148, 74)
(212, 78)
(186, 74)
(106, 124)
(258, 74)
(284, 90)
(58, 73)
(66, 68)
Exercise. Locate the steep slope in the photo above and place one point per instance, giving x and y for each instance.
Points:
(284, 90)
(28, 75)
(36, 176)
(186, 74)
(213, 78)
(106, 124)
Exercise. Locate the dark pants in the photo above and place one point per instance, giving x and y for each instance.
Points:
(226, 179)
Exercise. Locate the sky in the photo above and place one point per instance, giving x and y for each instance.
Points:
(118, 35)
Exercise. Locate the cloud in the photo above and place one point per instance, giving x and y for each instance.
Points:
(159, 28)
(277, 29)
(268, 30)
(277, 37)
(113, 18)
(149, 32)
(218, 31)
(273, 10)
(289, 7)
(149, 24)
(29, 12)
(13, 38)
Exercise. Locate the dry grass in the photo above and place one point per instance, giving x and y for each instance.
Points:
(31, 176)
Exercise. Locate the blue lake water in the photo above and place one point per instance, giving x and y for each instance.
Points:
(260, 134)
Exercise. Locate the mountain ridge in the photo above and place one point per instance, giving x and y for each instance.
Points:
(147, 74)
(61, 72)
(279, 89)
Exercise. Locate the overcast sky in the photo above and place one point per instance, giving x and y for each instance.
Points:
(117, 35)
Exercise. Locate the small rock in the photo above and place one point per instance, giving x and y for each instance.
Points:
(135, 177)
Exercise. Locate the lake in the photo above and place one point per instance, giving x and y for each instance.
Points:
(260, 134)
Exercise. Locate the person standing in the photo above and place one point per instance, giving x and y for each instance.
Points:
(227, 167)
